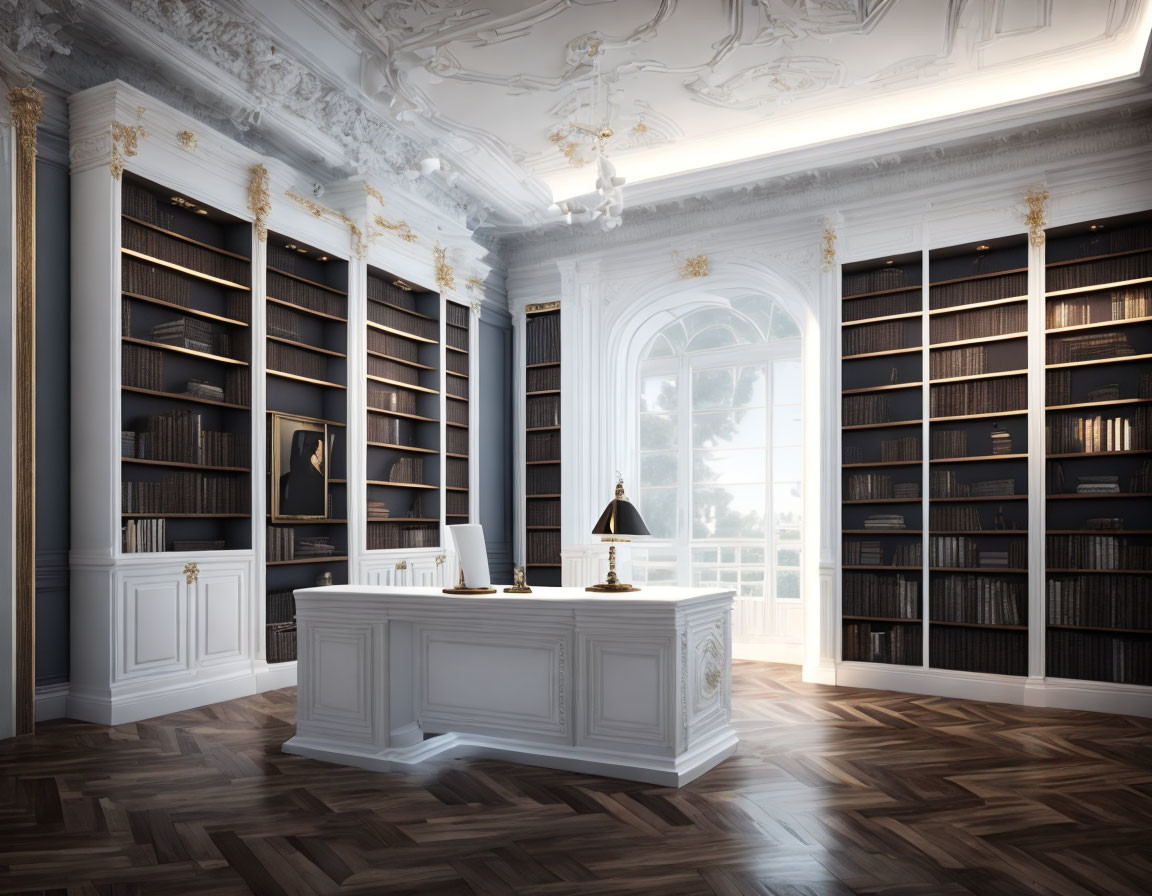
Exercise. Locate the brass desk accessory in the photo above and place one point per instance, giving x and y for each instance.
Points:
(518, 584)
(618, 522)
(464, 589)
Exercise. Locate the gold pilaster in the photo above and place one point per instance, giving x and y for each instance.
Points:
(26, 105)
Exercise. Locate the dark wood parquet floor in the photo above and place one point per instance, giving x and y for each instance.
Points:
(832, 791)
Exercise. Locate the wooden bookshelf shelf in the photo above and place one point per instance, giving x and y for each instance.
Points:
(308, 561)
(1084, 455)
(915, 500)
(401, 414)
(882, 463)
(542, 364)
(300, 309)
(322, 286)
(283, 374)
(891, 423)
(320, 350)
(184, 309)
(991, 303)
(186, 516)
(986, 275)
(410, 448)
(881, 532)
(372, 325)
(891, 387)
(982, 570)
(884, 354)
(1123, 322)
(403, 361)
(979, 458)
(882, 319)
(180, 269)
(1096, 287)
(883, 292)
(401, 385)
(183, 466)
(1003, 337)
(989, 625)
(182, 351)
(884, 568)
(980, 498)
(404, 310)
(1097, 628)
(1098, 404)
(978, 376)
(385, 483)
(185, 239)
(177, 396)
(991, 415)
(882, 619)
(1121, 360)
(1059, 496)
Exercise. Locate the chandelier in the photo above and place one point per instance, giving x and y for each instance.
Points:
(608, 208)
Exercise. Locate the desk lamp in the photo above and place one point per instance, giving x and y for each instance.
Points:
(620, 521)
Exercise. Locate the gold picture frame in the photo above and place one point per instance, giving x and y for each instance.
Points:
(298, 483)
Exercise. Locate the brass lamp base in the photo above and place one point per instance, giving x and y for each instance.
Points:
(469, 590)
(612, 587)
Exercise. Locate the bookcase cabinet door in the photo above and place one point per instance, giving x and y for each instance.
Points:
(153, 630)
(220, 614)
(396, 572)
(428, 572)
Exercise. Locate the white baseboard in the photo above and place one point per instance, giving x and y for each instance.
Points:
(51, 701)
(768, 652)
(1092, 696)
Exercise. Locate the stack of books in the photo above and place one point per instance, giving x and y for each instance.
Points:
(993, 488)
(318, 546)
(1001, 441)
(906, 490)
(204, 389)
(885, 521)
(185, 333)
(993, 559)
(1098, 485)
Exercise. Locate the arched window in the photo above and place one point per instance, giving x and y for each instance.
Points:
(719, 402)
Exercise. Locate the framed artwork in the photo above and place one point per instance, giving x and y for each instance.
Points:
(299, 481)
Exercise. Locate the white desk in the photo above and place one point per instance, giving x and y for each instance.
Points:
(634, 686)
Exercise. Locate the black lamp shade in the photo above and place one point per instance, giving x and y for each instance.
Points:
(620, 518)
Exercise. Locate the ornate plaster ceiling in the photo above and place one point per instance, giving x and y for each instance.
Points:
(692, 85)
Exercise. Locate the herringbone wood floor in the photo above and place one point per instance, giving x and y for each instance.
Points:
(832, 791)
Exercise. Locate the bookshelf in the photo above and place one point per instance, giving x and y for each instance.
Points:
(185, 346)
(1098, 397)
(306, 384)
(542, 443)
(881, 415)
(456, 429)
(403, 407)
(978, 457)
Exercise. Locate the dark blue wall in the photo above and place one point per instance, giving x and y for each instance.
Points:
(52, 422)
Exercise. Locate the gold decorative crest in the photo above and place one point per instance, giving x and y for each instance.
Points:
(445, 276)
(125, 142)
(1035, 198)
(541, 307)
(259, 200)
(382, 224)
(188, 140)
(829, 253)
(692, 266)
(322, 211)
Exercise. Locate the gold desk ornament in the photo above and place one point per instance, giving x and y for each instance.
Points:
(619, 521)
(464, 589)
(519, 586)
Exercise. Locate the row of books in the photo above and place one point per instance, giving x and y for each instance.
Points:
(456, 473)
(1108, 270)
(403, 321)
(281, 642)
(881, 306)
(408, 535)
(456, 411)
(406, 469)
(456, 315)
(393, 370)
(456, 363)
(902, 448)
(542, 445)
(305, 295)
(542, 512)
(873, 486)
(394, 346)
(297, 361)
(180, 436)
(1097, 656)
(389, 430)
(541, 379)
(378, 509)
(971, 292)
(880, 337)
(187, 492)
(542, 410)
(283, 322)
(147, 279)
(881, 594)
(947, 484)
(1093, 346)
(281, 543)
(887, 277)
(968, 360)
(542, 338)
(154, 244)
(872, 553)
(200, 336)
(393, 291)
(280, 606)
(962, 551)
(543, 480)
(456, 441)
(873, 642)
(979, 323)
(1092, 308)
(1109, 240)
(143, 368)
(971, 650)
(142, 536)
(456, 503)
(980, 397)
(139, 203)
(955, 517)
(1097, 552)
(543, 547)
(383, 398)
(1059, 387)
(985, 600)
(454, 387)
(1100, 601)
(1072, 433)
(455, 337)
(859, 410)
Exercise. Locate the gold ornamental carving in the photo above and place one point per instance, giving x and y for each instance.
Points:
(445, 276)
(125, 142)
(1035, 199)
(400, 229)
(188, 140)
(475, 287)
(191, 573)
(541, 307)
(829, 251)
(691, 266)
(317, 210)
(259, 200)
(26, 106)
